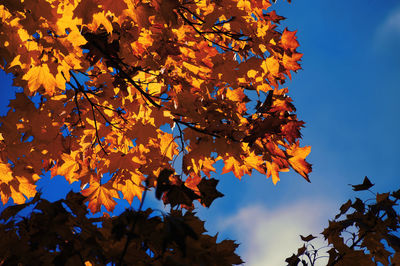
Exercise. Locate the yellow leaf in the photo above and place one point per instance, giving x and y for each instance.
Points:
(17, 196)
(154, 88)
(272, 65)
(68, 168)
(263, 87)
(131, 188)
(206, 166)
(235, 95)
(232, 165)
(76, 38)
(39, 76)
(5, 173)
(101, 19)
(26, 187)
(195, 69)
(273, 169)
(168, 145)
(252, 161)
(16, 62)
(244, 4)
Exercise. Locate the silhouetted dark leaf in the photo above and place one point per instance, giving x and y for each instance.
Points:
(12, 210)
(344, 208)
(307, 238)
(176, 230)
(177, 195)
(209, 191)
(364, 186)
(293, 260)
(382, 197)
(396, 194)
(163, 183)
(358, 205)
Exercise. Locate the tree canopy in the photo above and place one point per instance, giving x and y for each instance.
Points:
(61, 233)
(117, 94)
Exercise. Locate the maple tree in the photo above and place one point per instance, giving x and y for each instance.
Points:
(129, 88)
(365, 232)
(127, 95)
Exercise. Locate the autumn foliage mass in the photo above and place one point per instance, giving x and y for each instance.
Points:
(130, 89)
(127, 96)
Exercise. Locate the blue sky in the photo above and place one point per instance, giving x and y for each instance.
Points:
(347, 93)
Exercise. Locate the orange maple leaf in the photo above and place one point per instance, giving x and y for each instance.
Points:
(297, 159)
(289, 39)
(98, 195)
(131, 187)
(233, 165)
(5, 173)
(291, 62)
(168, 145)
(68, 168)
(253, 161)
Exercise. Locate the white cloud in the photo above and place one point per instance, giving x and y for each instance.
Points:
(267, 236)
(388, 33)
(392, 23)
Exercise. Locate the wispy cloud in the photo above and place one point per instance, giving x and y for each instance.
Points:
(388, 33)
(269, 236)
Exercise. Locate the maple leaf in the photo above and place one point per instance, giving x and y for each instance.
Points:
(68, 168)
(252, 161)
(208, 191)
(271, 65)
(98, 195)
(291, 62)
(274, 17)
(40, 76)
(289, 40)
(297, 161)
(231, 164)
(273, 170)
(307, 238)
(5, 173)
(168, 145)
(364, 186)
(131, 187)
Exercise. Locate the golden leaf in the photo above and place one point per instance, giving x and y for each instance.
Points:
(167, 145)
(233, 165)
(40, 76)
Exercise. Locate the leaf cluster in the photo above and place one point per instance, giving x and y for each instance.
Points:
(175, 192)
(60, 233)
(363, 233)
(115, 91)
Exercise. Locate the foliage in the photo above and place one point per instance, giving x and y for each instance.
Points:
(60, 233)
(361, 234)
(116, 91)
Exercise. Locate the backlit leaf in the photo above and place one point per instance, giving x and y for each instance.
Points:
(40, 76)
